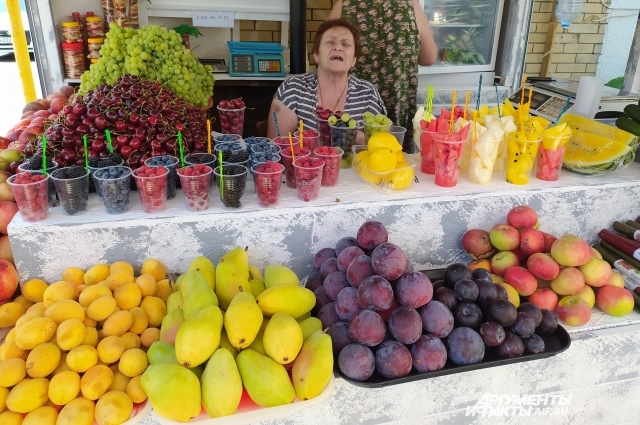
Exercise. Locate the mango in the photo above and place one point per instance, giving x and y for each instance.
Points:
(110, 349)
(163, 352)
(180, 404)
(102, 308)
(96, 274)
(149, 336)
(82, 358)
(196, 294)
(63, 310)
(282, 338)
(70, 334)
(4, 392)
(121, 266)
(43, 360)
(239, 258)
(58, 291)
(257, 287)
(147, 285)
(135, 391)
(206, 269)
(38, 307)
(44, 415)
(155, 309)
(257, 345)
(95, 382)
(277, 274)
(313, 368)
(266, 381)
(10, 418)
(133, 362)
(254, 273)
(120, 382)
(34, 332)
(131, 340)
(310, 326)
(62, 366)
(91, 337)
(10, 313)
(29, 315)
(175, 301)
(128, 296)
(79, 411)
(28, 395)
(10, 350)
(170, 325)
(164, 288)
(12, 371)
(199, 337)
(242, 320)
(140, 320)
(229, 282)
(221, 384)
(225, 343)
(92, 293)
(291, 299)
(25, 303)
(64, 387)
(155, 268)
(118, 323)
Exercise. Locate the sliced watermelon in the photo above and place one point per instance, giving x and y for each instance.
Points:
(576, 122)
(591, 154)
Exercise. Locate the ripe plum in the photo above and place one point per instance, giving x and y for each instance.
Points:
(359, 269)
(371, 234)
(334, 283)
(405, 325)
(389, 261)
(466, 290)
(321, 299)
(467, 314)
(328, 315)
(447, 297)
(437, 285)
(347, 256)
(357, 362)
(347, 303)
(393, 360)
(414, 290)
(376, 292)
(437, 319)
(428, 354)
(524, 326)
(512, 346)
(501, 293)
(533, 345)
(329, 266)
(455, 272)
(532, 310)
(492, 334)
(339, 333)
(367, 327)
(386, 313)
(465, 346)
(345, 242)
(486, 292)
(321, 256)
(313, 282)
(503, 312)
(549, 323)
(481, 274)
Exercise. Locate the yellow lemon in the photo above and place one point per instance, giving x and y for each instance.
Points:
(400, 179)
(155, 268)
(383, 140)
(73, 275)
(122, 266)
(382, 160)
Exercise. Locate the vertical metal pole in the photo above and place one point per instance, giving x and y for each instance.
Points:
(298, 17)
(631, 82)
(20, 50)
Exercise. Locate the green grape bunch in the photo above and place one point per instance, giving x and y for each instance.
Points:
(153, 53)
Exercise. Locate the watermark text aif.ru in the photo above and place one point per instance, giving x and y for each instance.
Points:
(520, 405)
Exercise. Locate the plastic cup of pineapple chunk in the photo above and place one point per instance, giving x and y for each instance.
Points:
(522, 148)
(484, 153)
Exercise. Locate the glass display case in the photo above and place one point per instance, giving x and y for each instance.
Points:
(466, 33)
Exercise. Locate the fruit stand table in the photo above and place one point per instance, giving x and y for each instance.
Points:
(597, 379)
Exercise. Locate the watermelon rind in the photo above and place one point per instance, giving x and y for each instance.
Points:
(607, 167)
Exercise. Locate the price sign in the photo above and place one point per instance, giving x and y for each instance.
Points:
(211, 19)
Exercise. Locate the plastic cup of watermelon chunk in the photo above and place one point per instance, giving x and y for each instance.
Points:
(427, 165)
(549, 163)
(521, 154)
(447, 152)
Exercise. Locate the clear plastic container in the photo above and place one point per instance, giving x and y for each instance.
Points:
(550, 156)
(398, 132)
(224, 138)
(94, 45)
(289, 171)
(94, 27)
(331, 168)
(202, 158)
(372, 128)
(196, 188)
(521, 155)
(325, 132)
(172, 177)
(73, 55)
(386, 182)
(427, 164)
(73, 193)
(115, 191)
(231, 120)
(344, 138)
(152, 191)
(310, 140)
(447, 154)
(308, 179)
(231, 184)
(267, 185)
(31, 198)
(72, 32)
(52, 188)
(283, 142)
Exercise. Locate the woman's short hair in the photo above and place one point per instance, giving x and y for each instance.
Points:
(332, 23)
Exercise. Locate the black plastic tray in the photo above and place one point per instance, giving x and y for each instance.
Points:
(554, 344)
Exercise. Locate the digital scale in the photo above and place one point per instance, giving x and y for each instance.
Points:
(549, 98)
(251, 59)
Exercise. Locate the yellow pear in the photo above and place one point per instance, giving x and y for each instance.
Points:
(199, 337)
(239, 258)
(221, 384)
(266, 381)
(197, 294)
(254, 273)
(242, 320)
(310, 326)
(206, 268)
(180, 404)
(313, 368)
(229, 282)
(282, 338)
(276, 274)
(257, 287)
(291, 299)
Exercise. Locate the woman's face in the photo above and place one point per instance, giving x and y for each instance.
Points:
(337, 50)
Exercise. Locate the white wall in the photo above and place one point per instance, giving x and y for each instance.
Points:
(617, 39)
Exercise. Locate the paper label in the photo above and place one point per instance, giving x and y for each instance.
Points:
(212, 19)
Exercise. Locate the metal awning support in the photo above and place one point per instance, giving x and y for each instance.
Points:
(631, 82)
(298, 17)
(21, 50)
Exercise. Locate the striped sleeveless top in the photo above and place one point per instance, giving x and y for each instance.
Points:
(299, 94)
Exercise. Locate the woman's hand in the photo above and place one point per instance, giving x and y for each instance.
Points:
(287, 120)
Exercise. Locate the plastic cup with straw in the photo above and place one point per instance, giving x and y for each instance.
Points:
(453, 105)
(479, 92)
(107, 134)
(182, 149)
(498, 99)
(86, 152)
(221, 174)
(208, 137)
(301, 129)
(466, 105)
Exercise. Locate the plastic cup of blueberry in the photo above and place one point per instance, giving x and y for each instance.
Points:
(114, 159)
(113, 183)
(34, 166)
(231, 184)
(170, 163)
(253, 140)
(72, 186)
(233, 154)
(224, 138)
(343, 136)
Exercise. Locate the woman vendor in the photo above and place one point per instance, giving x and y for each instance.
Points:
(309, 97)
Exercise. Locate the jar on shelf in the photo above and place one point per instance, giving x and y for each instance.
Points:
(75, 16)
(71, 32)
(74, 62)
(94, 27)
(94, 45)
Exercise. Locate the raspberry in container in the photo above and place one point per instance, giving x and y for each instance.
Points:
(72, 32)
(73, 55)
(95, 27)
(94, 45)
(308, 177)
(287, 161)
(332, 158)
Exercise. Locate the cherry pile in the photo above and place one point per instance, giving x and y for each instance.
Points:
(323, 124)
(143, 118)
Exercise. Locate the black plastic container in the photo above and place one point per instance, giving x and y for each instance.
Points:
(554, 344)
